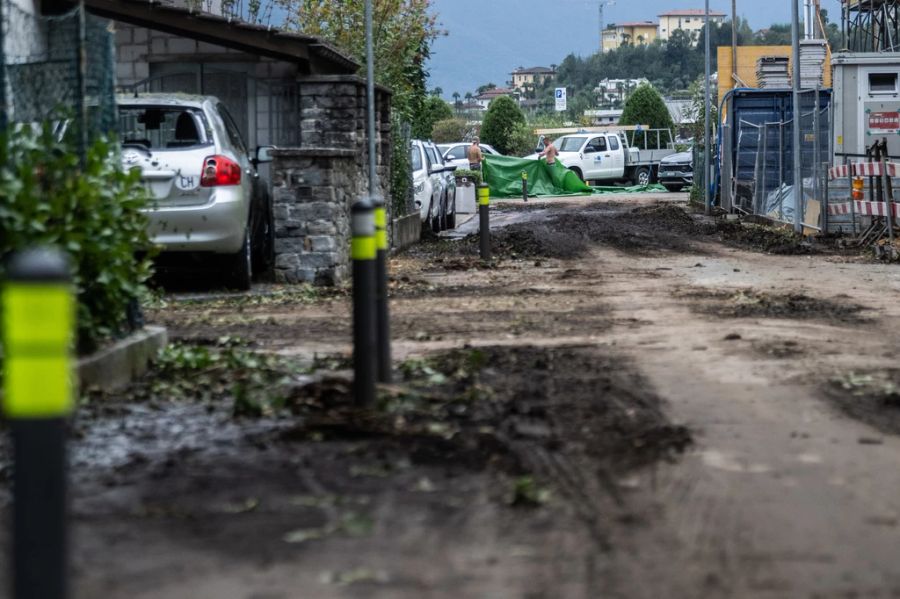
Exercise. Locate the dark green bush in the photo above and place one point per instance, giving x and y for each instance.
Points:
(92, 211)
(500, 123)
(646, 107)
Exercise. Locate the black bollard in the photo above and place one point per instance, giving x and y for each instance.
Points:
(38, 310)
(524, 186)
(363, 253)
(382, 309)
(484, 202)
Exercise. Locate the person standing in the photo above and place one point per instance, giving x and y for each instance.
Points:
(550, 152)
(475, 156)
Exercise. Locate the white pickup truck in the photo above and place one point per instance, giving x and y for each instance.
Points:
(609, 156)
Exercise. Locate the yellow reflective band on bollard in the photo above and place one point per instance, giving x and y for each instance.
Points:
(524, 176)
(362, 248)
(38, 323)
(484, 196)
(381, 240)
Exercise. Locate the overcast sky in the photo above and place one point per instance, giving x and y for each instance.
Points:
(487, 39)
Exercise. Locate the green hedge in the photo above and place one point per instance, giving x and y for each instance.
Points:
(92, 211)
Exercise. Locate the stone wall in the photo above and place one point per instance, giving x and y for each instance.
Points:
(315, 185)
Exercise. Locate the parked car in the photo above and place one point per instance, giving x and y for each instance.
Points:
(208, 199)
(608, 156)
(435, 186)
(456, 154)
(677, 171)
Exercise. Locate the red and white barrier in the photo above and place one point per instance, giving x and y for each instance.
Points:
(864, 208)
(863, 169)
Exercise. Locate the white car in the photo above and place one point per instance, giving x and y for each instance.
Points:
(455, 154)
(592, 156)
(435, 186)
(208, 199)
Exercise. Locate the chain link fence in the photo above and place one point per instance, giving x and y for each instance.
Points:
(764, 184)
(57, 69)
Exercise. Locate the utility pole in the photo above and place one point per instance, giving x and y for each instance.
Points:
(734, 40)
(603, 4)
(798, 174)
(706, 132)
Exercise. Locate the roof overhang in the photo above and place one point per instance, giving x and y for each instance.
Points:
(235, 34)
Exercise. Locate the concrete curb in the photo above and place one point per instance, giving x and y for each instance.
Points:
(407, 230)
(112, 368)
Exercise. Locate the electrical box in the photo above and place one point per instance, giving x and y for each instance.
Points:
(866, 103)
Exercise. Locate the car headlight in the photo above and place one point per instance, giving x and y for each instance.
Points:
(420, 188)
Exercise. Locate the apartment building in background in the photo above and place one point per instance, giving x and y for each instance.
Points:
(689, 20)
(638, 33)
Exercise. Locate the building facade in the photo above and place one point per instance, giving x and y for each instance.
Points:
(689, 20)
(523, 79)
(484, 99)
(639, 33)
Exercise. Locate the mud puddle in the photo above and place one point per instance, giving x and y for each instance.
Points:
(750, 303)
(872, 397)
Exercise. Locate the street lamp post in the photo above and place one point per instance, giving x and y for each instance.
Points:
(706, 131)
(603, 4)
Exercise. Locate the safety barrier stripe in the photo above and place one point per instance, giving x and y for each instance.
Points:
(863, 169)
(864, 208)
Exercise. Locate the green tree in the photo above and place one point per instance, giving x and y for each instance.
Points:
(433, 110)
(646, 107)
(500, 121)
(486, 87)
(449, 131)
(405, 30)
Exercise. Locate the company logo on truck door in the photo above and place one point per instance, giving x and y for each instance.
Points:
(884, 121)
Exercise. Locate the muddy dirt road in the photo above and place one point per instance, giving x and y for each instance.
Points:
(634, 401)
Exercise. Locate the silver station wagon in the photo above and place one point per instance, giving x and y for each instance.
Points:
(209, 201)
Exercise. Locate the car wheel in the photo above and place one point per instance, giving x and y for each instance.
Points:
(673, 188)
(240, 271)
(641, 176)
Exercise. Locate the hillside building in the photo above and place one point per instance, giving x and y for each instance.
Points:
(523, 79)
(689, 20)
(639, 33)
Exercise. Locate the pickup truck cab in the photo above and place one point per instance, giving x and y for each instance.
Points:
(607, 157)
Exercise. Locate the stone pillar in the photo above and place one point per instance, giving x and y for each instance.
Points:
(315, 184)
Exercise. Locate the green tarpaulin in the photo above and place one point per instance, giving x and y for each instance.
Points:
(504, 176)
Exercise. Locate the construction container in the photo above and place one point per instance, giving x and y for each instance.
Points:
(866, 103)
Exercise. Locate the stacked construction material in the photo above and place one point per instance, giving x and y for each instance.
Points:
(772, 72)
(813, 54)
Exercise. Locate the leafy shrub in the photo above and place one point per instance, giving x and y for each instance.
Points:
(646, 107)
(433, 110)
(500, 121)
(473, 176)
(522, 140)
(449, 131)
(92, 211)
(401, 168)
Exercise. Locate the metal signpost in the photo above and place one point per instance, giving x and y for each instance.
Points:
(38, 310)
(561, 99)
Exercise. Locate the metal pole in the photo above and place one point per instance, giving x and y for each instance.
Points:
(484, 205)
(706, 131)
(81, 74)
(765, 170)
(370, 100)
(4, 102)
(816, 151)
(362, 253)
(888, 193)
(38, 311)
(734, 59)
(382, 308)
(798, 175)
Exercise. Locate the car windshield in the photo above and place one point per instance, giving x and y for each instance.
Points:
(570, 144)
(163, 127)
